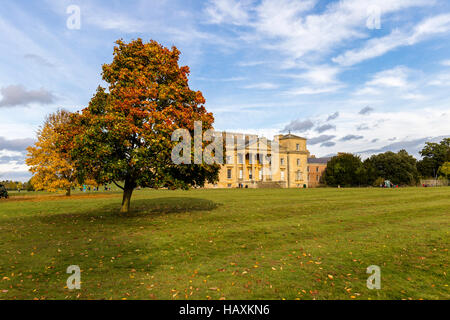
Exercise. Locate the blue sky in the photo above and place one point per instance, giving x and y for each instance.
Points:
(325, 70)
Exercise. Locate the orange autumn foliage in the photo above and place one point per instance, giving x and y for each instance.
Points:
(52, 169)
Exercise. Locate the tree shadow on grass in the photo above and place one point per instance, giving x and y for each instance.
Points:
(139, 208)
(162, 206)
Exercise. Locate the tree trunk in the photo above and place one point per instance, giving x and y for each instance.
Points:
(127, 192)
(68, 192)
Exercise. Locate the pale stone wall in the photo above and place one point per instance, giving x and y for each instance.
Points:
(434, 183)
(291, 170)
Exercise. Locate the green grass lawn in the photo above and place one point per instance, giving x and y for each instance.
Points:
(229, 244)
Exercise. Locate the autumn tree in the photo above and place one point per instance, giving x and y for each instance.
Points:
(124, 135)
(52, 168)
(444, 170)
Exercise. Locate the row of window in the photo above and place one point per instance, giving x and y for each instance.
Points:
(298, 162)
(257, 159)
(260, 174)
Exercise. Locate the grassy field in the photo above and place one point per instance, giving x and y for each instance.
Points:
(228, 244)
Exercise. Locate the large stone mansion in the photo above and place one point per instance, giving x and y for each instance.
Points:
(288, 163)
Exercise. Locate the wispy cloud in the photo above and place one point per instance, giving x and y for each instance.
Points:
(412, 146)
(351, 137)
(38, 60)
(325, 127)
(299, 125)
(262, 86)
(376, 47)
(363, 127)
(320, 139)
(396, 77)
(227, 11)
(308, 90)
(295, 30)
(366, 110)
(321, 74)
(333, 116)
(328, 144)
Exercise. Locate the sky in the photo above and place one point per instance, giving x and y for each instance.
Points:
(361, 76)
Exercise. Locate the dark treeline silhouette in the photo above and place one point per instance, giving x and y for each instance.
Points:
(348, 170)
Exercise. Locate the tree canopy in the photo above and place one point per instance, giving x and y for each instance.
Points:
(348, 170)
(400, 168)
(52, 168)
(344, 170)
(434, 155)
(444, 170)
(124, 135)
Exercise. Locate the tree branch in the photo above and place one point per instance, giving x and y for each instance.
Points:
(118, 185)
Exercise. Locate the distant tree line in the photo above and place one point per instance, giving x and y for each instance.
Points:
(348, 170)
(17, 185)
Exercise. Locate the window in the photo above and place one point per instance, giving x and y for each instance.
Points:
(240, 158)
(317, 169)
(229, 185)
(260, 174)
(298, 163)
(297, 147)
(229, 173)
(282, 175)
(250, 174)
(241, 174)
(282, 161)
(317, 178)
(307, 168)
(299, 175)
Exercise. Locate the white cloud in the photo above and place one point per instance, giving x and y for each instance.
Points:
(446, 63)
(251, 63)
(298, 33)
(262, 86)
(376, 47)
(396, 77)
(440, 80)
(413, 96)
(396, 80)
(367, 91)
(321, 74)
(308, 90)
(405, 125)
(226, 11)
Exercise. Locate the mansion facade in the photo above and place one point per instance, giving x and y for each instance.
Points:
(260, 163)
